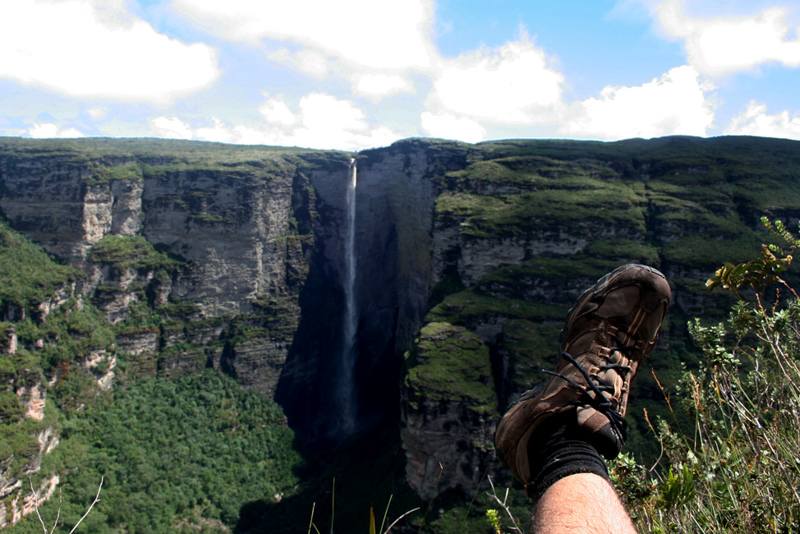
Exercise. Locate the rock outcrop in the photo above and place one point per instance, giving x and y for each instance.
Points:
(24, 397)
(448, 410)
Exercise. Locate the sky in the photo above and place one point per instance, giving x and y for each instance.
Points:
(357, 74)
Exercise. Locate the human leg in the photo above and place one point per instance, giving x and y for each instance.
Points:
(583, 503)
(565, 427)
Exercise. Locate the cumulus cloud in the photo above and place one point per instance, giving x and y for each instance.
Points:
(372, 34)
(95, 49)
(275, 111)
(172, 128)
(513, 84)
(718, 46)
(50, 130)
(328, 122)
(674, 104)
(448, 126)
(321, 121)
(325, 112)
(218, 131)
(756, 121)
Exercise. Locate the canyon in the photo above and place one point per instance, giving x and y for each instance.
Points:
(466, 257)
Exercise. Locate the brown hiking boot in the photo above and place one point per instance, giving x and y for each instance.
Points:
(606, 335)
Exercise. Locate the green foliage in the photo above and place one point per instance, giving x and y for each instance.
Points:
(131, 252)
(579, 200)
(472, 304)
(212, 218)
(730, 455)
(452, 364)
(516, 278)
(676, 489)
(126, 171)
(161, 154)
(186, 451)
(18, 443)
(29, 275)
(11, 409)
(624, 251)
(176, 309)
(22, 368)
(706, 250)
(529, 347)
(446, 286)
(70, 333)
(141, 318)
(762, 272)
(482, 512)
(493, 518)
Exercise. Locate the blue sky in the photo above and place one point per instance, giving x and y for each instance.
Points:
(357, 74)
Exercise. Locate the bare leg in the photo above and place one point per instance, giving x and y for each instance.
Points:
(581, 504)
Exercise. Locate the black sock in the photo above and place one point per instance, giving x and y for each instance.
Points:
(566, 451)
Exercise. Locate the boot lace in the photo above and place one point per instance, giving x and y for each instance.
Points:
(592, 394)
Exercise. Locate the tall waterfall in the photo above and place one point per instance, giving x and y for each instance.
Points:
(346, 386)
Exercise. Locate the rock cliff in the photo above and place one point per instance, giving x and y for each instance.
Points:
(467, 256)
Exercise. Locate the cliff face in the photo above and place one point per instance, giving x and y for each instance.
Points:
(524, 227)
(467, 257)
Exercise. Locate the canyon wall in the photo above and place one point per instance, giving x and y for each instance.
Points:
(467, 257)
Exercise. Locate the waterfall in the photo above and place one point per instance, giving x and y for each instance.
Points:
(347, 387)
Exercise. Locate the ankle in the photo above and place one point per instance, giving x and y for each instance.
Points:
(566, 451)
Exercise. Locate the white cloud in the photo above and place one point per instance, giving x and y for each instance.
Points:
(513, 84)
(674, 104)
(365, 32)
(756, 121)
(277, 112)
(322, 121)
(50, 130)
(220, 133)
(325, 112)
(94, 49)
(310, 62)
(373, 45)
(718, 46)
(378, 85)
(448, 126)
(327, 122)
(370, 82)
(97, 113)
(175, 128)
(172, 128)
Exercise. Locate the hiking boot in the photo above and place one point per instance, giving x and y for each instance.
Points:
(606, 335)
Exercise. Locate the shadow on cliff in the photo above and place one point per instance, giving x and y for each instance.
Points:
(309, 379)
(339, 485)
(305, 386)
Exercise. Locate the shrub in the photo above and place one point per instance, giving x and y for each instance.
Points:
(737, 467)
(131, 252)
(11, 409)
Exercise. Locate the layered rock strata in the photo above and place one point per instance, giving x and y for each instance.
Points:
(238, 251)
